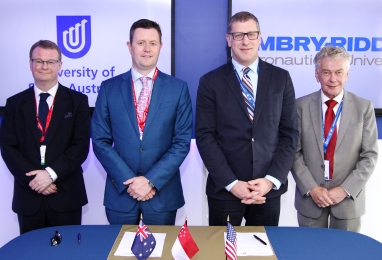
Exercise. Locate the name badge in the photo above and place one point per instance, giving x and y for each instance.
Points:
(326, 174)
(42, 154)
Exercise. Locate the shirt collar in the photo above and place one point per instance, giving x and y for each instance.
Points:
(51, 91)
(136, 75)
(239, 67)
(338, 98)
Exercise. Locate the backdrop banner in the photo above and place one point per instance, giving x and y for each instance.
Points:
(294, 31)
(92, 36)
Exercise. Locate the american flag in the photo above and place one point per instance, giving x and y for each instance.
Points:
(144, 242)
(230, 243)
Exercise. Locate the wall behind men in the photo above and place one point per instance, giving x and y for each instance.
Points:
(92, 36)
(294, 31)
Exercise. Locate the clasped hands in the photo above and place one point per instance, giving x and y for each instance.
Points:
(42, 183)
(324, 198)
(253, 191)
(139, 188)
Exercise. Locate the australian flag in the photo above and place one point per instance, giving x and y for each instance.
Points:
(144, 242)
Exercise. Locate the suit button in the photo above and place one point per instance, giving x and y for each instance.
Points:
(253, 140)
(141, 149)
(322, 166)
(139, 173)
(321, 184)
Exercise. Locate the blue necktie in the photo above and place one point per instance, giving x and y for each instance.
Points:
(248, 85)
(43, 109)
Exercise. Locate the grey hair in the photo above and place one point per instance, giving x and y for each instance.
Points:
(332, 52)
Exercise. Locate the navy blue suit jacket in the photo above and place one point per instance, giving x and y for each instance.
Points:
(230, 145)
(158, 156)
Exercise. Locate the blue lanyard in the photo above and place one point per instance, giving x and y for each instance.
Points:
(244, 89)
(330, 133)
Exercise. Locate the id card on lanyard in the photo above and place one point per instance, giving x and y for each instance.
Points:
(328, 137)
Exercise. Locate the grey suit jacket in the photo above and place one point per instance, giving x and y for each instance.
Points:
(355, 154)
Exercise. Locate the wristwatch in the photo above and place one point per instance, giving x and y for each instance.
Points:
(151, 184)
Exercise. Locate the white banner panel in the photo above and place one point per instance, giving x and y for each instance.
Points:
(91, 34)
(294, 31)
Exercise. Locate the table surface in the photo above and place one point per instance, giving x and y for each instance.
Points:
(287, 242)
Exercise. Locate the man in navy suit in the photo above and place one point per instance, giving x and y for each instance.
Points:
(45, 153)
(141, 131)
(247, 140)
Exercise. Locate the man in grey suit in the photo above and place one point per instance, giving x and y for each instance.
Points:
(330, 188)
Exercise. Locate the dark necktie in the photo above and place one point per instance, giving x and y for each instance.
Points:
(248, 95)
(43, 109)
(329, 117)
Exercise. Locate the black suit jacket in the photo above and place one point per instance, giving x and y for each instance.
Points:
(67, 141)
(230, 145)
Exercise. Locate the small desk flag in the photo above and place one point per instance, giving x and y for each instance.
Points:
(230, 243)
(184, 247)
(144, 242)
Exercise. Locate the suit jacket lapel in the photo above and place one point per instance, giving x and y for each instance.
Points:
(315, 109)
(262, 88)
(59, 108)
(234, 84)
(29, 110)
(159, 89)
(128, 98)
(346, 115)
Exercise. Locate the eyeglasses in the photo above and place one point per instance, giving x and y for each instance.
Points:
(39, 62)
(238, 36)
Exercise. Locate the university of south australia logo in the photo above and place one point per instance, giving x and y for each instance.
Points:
(74, 35)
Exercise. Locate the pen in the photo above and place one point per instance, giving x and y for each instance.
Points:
(259, 239)
(79, 238)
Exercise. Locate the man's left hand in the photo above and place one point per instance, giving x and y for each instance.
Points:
(139, 188)
(337, 194)
(41, 180)
(261, 185)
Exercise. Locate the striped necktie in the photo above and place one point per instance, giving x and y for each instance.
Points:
(248, 92)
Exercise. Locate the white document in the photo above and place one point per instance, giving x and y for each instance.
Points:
(248, 245)
(124, 248)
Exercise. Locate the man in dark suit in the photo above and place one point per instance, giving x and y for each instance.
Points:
(337, 154)
(246, 131)
(141, 132)
(45, 136)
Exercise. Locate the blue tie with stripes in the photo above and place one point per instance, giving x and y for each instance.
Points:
(249, 95)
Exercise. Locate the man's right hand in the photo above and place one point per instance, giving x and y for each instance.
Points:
(320, 196)
(52, 188)
(242, 191)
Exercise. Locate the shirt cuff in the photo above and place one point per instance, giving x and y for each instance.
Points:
(348, 196)
(275, 181)
(52, 174)
(229, 186)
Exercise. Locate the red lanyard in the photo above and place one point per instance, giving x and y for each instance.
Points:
(142, 121)
(48, 118)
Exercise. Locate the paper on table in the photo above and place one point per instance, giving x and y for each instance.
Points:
(247, 245)
(124, 248)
